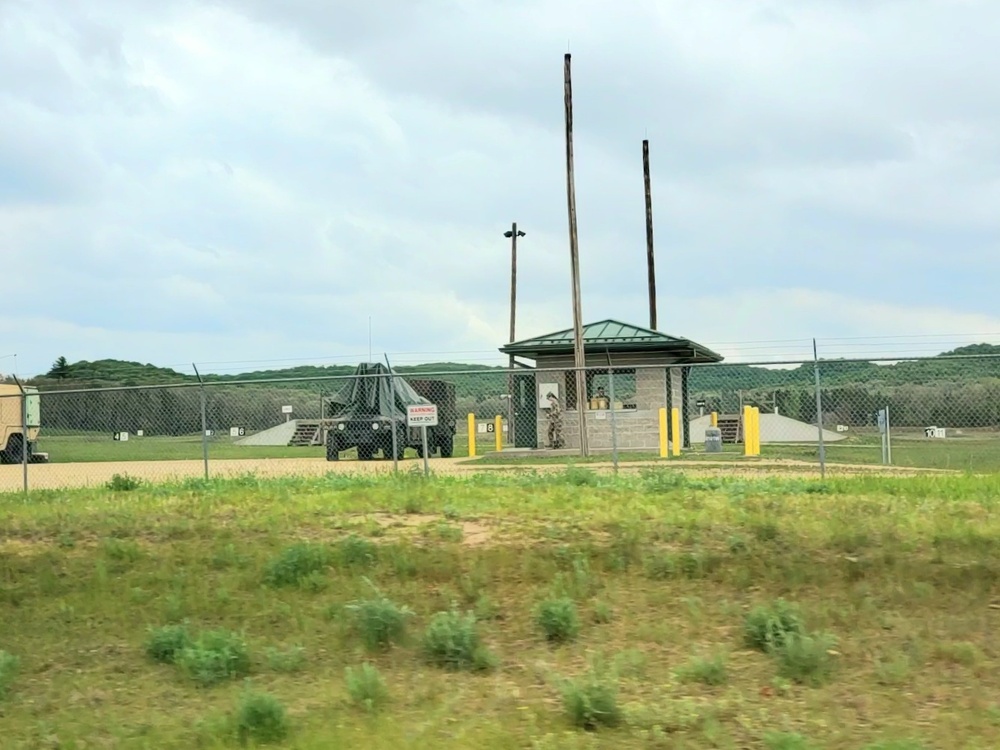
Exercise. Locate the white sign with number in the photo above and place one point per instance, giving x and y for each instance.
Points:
(422, 415)
(237, 431)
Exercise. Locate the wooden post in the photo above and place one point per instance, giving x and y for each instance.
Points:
(574, 255)
(650, 266)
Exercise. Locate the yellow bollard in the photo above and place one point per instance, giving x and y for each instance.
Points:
(498, 429)
(472, 435)
(663, 432)
(756, 431)
(715, 419)
(747, 431)
(675, 426)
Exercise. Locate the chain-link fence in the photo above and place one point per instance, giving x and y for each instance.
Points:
(940, 413)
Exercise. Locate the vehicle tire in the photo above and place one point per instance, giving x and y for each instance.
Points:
(15, 449)
(365, 452)
(400, 446)
(420, 450)
(332, 447)
(447, 445)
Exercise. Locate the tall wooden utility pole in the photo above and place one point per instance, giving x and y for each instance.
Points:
(513, 234)
(650, 266)
(574, 255)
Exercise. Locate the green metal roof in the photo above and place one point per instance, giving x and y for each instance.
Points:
(613, 335)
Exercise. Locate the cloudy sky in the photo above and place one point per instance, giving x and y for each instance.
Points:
(240, 182)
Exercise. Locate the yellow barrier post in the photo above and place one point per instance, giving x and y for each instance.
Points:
(675, 426)
(663, 432)
(472, 435)
(715, 419)
(756, 431)
(498, 429)
(747, 431)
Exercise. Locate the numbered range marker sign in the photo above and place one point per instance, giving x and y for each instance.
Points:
(237, 431)
(121, 437)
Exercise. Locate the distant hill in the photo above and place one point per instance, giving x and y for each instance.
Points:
(938, 390)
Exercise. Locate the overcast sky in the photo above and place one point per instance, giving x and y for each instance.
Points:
(240, 181)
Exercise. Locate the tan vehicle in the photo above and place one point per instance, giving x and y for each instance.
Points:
(12, 438)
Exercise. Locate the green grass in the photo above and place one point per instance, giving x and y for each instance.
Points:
(975, 452)
(144, 619)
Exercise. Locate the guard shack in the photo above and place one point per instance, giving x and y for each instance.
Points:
(650, 371)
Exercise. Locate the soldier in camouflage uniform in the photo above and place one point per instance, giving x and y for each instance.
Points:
(555, 422)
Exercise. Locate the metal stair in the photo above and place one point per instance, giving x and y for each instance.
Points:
(306, 433)
(731, 426)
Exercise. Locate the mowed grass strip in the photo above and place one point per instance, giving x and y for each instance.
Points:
(629, 612)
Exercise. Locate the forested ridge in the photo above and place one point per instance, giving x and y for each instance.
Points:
(958, 388)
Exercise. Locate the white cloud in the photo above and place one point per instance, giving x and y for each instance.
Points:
(227, 180)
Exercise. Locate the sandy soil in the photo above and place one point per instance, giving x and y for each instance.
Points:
(57, 476)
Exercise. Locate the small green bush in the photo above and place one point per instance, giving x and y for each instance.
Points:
(592, 702)
(366, 687)
(379, 621)
(710, 671)
(122, 483)
(165, 644)
(452, 641)
(261, 719)
(786, 741)
(767, 628)
(9, 667)
(215, 656)
(806, 659)
(357, 552)
(295, 563)
(558, 620)
(288, 661)
(897, 745)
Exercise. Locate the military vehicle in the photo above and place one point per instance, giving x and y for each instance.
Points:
(12, 438)
(363, 412)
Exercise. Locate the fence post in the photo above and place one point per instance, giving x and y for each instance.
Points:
(204, 419)
(888, 436)
(392, 386)
(614, 422)
(471, 421)
(819, 414)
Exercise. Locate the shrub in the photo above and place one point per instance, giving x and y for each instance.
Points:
(806, 659)
(295, 563)
(786, 741)
(356, 552)
(366, 687)
(214, 656)
(261, 719)
(558, 620)
(123, 483)
(291, 660)
(165, 644)
(452, 641)
(9, 667)
(767, 628)
(710, 671)
(592, 701)
(379, 621)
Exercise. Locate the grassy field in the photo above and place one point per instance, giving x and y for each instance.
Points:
(641, 611)
(977, 453)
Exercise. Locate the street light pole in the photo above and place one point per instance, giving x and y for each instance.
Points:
(513, 234)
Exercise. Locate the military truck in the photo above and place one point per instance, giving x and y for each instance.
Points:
(363, 412)
(13, 443)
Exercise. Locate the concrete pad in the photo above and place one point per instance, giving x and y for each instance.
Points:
(774, 428)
